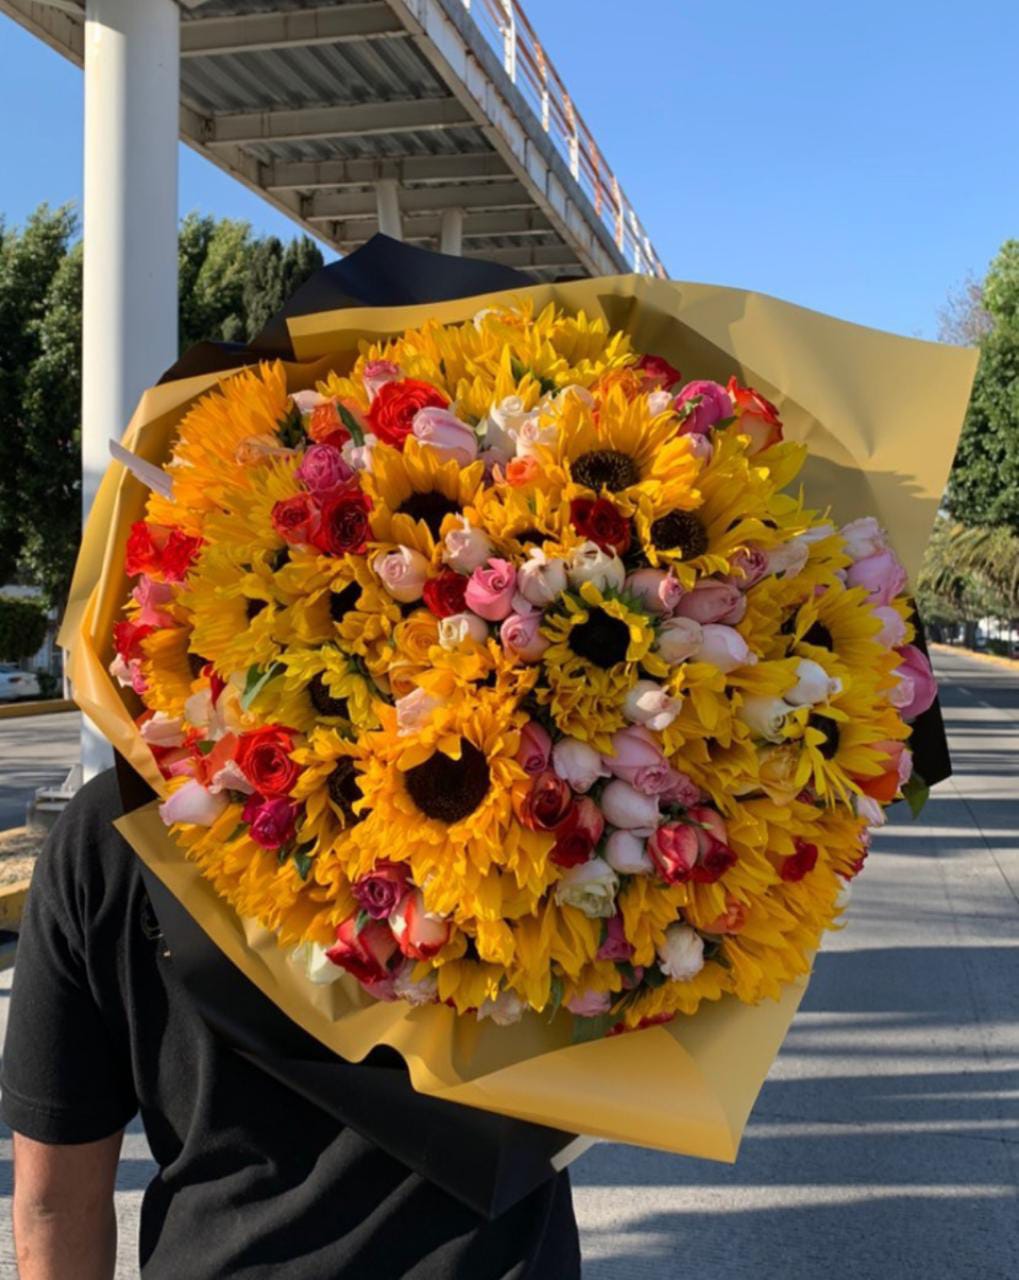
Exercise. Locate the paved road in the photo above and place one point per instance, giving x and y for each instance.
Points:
(35, 751)
(886, 1141)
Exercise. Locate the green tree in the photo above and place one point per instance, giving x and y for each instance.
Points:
(23, 626)
(983, 488)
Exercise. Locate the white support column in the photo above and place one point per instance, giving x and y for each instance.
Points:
(451, 232)
(132, 96)
(387, 202)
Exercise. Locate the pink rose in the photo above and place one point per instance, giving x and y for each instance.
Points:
(893, 627)
(701, 447)
(535, 748)
(446, 434)
(403, 572)
(364, 953)
(709, 601)
(626, 854)
(651, 704)
(192, 803)
(490, 590)
(615, 945)
(577, 764)
(520, 634)
(637, 759)
(724, 648)
(673, 850)
(917, 687)
(382, 889)
(377, 373)
(419, 935)
(880, 574)
(657, 590)
(747, 567)
(152, 596)
(678, 640)
(272, 821)
(589, 1004)
(682, 790)
(466, 549)
(864, 537)
(701, 404)
(625, 807)
(710, 826)
(323, 470)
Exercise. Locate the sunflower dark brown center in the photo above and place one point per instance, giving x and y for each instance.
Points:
(430, 507)
(531, 535)
(602, 639)
(344, 788)
(605, 469)
(829, 747)
(818, 634)
(680, 531)
(342, 602)
(323, 701)
(280, 557)
(196, 664)
(446, 789)
(254, 607)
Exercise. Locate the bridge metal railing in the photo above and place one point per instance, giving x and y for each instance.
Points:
(508, 30)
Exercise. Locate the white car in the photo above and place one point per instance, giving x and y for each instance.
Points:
(15, 683)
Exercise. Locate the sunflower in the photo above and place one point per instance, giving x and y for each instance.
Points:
(416, 494)
(598, 647)
(330, 791)
(234, 611)
(169, 670)
(314, 685)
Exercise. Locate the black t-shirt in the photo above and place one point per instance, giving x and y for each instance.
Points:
(254, 1181)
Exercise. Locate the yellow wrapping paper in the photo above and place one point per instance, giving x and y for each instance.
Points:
(881, 417)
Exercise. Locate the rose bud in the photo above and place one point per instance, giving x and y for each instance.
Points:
(637, 758)
(710, 826)
(788, 559)
(893, 627)
(864, 538)
(881, 574)
(323, 470)
(445, 594)
(747, 567)
(659, 401)
(701, 405)
(813, 685)
(681, 790)
(191, 803)
(591, 887)
(365, 954)
(917, 688)
(710, 600)
(419, 934)
(758, 417)
(535, 748)
(382, 889)
(444, 433)
(546, 803)
(272, 822)
(376, 373)
(403, 572)
(521, 635)
(577, 834)
(490, 590)
(736, 614)
(615, 945)
(541, 580)
(589, 1004)
(625, 807)
(673, 849)
(627, 854)
(798, 864)
(649, 704)
(678, 640)
(414, 710)
(681, 954)
(724, 648)
(657, 590)
(462, 628)
(466, 549)
(589, 563)
(765, 717)
(578, 764)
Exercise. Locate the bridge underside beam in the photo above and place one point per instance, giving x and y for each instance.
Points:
(202, 37)
(348, 233)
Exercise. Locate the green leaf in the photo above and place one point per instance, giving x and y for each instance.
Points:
(361, 920)
(351, 423)
(291, 430)
(255, 682)
(587, 1029)
(556, 1001)
(303, 861)
(206, 747)
(237, 832)
(916, 793)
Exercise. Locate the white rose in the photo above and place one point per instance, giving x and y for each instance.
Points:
(541, 580)
(577, 763)
(627, 808)
(461, 627)
(589, 563)
(626, 853)
(466, 549)
(504, 1010)
(766, 717)
(161, 730)
(659, 401)
(678, 639)
(531, 434)
(414, 710)
(359, 456)
(870, 811)
(864, 537)
(789, 558)
(403, 572)
(502, 423)
(649, 704)
(681, 954)
(424, 992)
(813, 685)
(317, 965)
(591, 887)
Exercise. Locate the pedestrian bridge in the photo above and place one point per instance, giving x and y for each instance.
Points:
(439, 121)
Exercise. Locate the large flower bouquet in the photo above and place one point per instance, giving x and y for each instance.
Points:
(507, 670)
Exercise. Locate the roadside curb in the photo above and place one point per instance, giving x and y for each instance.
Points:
(1010, 664)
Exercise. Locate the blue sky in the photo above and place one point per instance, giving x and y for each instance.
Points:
(854, 158)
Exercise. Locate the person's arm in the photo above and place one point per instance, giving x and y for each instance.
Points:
(64, 1222)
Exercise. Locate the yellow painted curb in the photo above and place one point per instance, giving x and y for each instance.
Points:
(12, 903)
(50, 707)
(1012, 664)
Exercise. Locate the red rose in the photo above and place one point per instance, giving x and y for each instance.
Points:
(546, 804)
(714, 863)
(296, 519)
(658, 373)
(382, 889)
(142, 555)
(577, 834)
(179, 554)
(418, 934)
(444, 595)
(263, 756)
(798, 864)
(272, 822)
(325, 426)
(395, 406)
(128, 637)
(343, 523)
(673, 849)
(600, 521)
(366, 953)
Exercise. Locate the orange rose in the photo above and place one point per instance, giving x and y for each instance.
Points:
(758, 417)
(521, 471)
